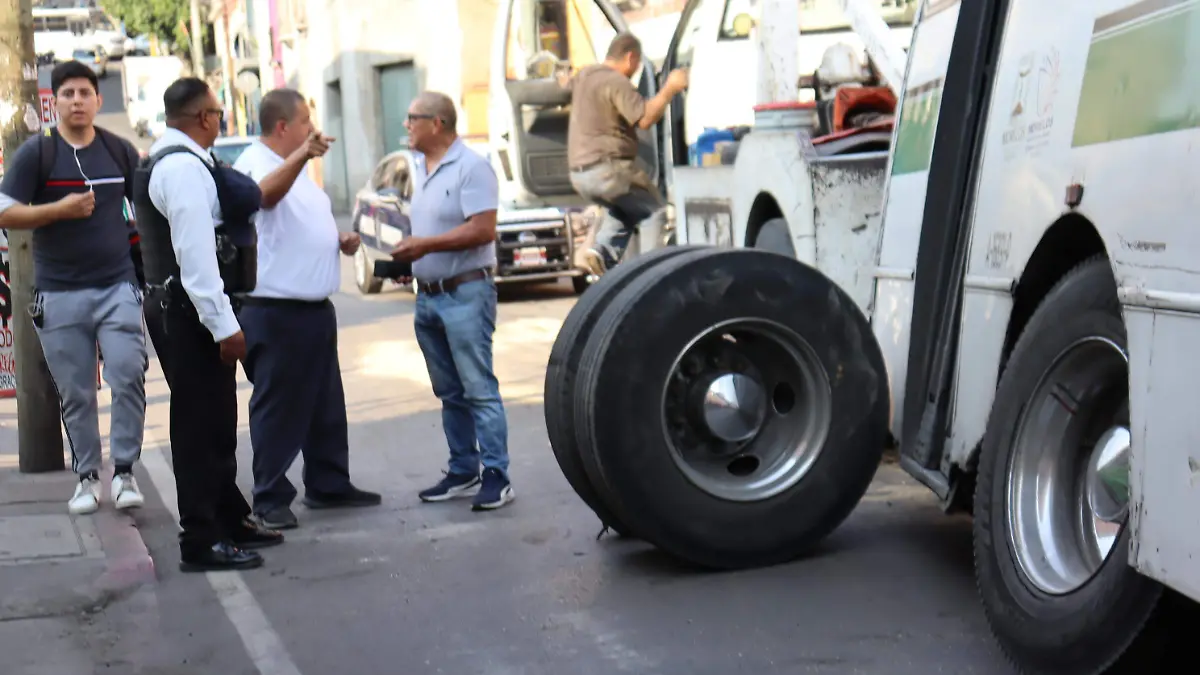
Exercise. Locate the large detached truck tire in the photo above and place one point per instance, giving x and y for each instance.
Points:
(1052, 495)
(729, 406)
(559, 391)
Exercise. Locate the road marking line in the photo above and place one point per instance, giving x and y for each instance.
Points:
(263, 644)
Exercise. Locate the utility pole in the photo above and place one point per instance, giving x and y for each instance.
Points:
(227, 74)
(39, 435)
(197, 40)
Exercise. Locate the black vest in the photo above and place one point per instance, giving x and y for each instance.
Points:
(236, 237)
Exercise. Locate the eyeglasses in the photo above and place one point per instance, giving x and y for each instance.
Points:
(412, 117)
(206, 112)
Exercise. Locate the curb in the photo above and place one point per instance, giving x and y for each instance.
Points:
(127, 560)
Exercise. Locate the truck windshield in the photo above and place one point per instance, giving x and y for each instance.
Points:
(816, 16)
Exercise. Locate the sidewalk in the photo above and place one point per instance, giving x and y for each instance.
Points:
(57, 570)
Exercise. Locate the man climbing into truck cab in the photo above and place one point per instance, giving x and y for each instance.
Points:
(602, 147)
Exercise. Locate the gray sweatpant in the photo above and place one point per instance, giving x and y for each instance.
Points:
(69, 325)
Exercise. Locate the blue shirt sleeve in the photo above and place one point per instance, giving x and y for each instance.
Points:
(21, 172)
(480, 190)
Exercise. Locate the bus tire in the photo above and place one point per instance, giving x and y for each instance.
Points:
(559, 388)
(1050, 609)
(686, 475)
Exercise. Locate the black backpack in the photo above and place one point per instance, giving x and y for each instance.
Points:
(114, 145)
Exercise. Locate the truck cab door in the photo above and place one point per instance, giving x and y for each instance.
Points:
(532, 42)
(695, 33)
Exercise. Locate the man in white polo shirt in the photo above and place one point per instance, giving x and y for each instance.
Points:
(290, 324)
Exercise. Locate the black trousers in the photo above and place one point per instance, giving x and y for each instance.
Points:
(298, 405)
(203, 421)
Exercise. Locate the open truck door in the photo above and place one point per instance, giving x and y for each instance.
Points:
(534, 40)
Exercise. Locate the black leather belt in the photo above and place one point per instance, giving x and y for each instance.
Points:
(448, 284)
(282, 302)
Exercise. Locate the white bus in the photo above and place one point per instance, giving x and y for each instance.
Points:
(1026, 338)
(58, 32)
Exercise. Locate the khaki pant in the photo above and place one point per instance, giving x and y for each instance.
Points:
(632, 201)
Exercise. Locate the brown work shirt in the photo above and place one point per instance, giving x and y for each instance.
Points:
(605, 110)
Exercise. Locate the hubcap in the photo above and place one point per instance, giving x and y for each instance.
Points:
(734, 407)
(746, 409)
(1108, 476)
(1068, 482)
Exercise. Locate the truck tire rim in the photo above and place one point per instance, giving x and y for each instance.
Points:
(360, 266)
(746, 408)
(1068, 480)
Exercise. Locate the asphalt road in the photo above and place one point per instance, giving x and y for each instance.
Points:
(413, 588)
(418, 588)
(112, 111)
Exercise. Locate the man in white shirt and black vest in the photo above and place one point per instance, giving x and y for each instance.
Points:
(197, 244)
(298, 405)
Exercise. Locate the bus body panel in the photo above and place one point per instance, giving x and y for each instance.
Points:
(908, 173)
(1102, 95)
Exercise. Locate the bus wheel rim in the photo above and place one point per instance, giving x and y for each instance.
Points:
(1068, 496)
(746, 409)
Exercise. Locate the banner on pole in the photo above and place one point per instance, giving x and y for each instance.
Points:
(49, 114)
(8, 365)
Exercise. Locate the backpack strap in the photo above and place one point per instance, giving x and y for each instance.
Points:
(173, 150)
(117, 149)
(47, 150)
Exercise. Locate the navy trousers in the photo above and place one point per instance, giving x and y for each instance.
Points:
(298, 405)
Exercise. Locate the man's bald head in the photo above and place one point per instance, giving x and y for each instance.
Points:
(440, 106)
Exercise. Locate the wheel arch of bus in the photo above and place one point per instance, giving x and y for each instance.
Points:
(1067, 242)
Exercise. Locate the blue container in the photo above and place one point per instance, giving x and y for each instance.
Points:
(706, 144)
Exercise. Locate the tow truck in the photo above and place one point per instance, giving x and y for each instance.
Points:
(1019, 326)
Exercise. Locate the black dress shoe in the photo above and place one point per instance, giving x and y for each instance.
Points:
(250, 535)
(341, 500)
(220, 558)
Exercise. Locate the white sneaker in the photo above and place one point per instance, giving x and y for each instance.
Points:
(126, 494)
(87, 497)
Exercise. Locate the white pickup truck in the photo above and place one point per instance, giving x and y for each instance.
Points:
(529, 112)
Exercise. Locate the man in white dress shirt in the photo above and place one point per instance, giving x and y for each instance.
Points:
(298, 405)
(193, 327)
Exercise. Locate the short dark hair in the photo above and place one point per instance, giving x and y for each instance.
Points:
(72, 70)
(440, 106)
(182, 93)
(624, 43)
(278, 105)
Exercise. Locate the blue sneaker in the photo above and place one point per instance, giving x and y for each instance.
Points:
(496, 491)
(453, 485)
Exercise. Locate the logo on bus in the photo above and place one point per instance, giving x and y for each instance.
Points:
(1031, 114)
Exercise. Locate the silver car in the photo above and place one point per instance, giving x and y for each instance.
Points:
(95, 57)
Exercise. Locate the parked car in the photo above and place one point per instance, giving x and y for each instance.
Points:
(531, 244)
(139, 46)
(158, 127)
(227, 149)
(94, 57)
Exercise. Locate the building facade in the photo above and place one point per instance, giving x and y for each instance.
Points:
(361, 63)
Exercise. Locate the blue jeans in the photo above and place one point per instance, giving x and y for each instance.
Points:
(455, 331)
(631, 201)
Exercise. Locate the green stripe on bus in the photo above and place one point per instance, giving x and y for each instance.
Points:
(918, 122)
(1141, 78)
